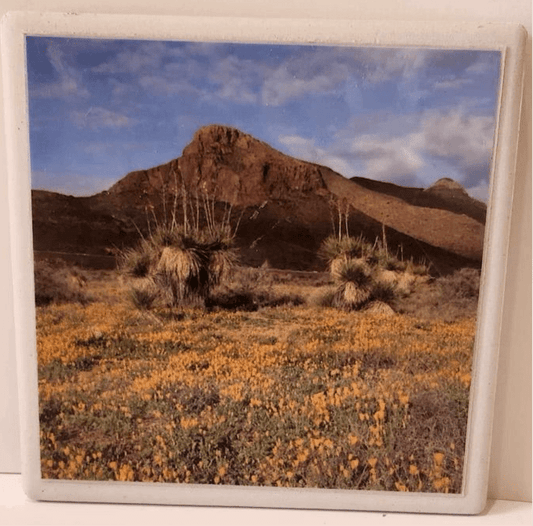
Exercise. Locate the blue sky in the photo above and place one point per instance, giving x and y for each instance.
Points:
(102, 108)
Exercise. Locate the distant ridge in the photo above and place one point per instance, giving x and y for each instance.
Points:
(445, 194)
(286, 207)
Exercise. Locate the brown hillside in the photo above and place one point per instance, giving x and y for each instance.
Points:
(455, 199)
(285, 206)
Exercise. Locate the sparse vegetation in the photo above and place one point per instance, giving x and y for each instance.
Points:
(297, 396)
(55, 282)
(283, 380)
(358, 269)
(252, 289)
(279, 379)
(448, 298)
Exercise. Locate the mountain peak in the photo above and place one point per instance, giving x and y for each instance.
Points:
(447, 185)
(244, 170)
(220, 139)
(217, 133)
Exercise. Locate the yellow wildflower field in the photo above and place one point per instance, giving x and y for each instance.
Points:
(296, 396)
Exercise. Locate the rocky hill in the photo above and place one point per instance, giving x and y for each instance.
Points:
(285, 207)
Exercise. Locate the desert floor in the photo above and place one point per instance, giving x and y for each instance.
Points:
(279, 391)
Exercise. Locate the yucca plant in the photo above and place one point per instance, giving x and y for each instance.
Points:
(186, 259)
(185, 268)
(354, 283)
(339, 247)
(355, 266)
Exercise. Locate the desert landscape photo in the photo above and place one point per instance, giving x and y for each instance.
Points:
(257, 264)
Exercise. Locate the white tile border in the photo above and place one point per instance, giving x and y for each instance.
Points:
(16, 508)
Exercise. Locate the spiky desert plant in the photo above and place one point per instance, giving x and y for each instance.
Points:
(185, 260)
(177, 273)
(339, 247)
(189, 269)
(137, 262)
(354, 283)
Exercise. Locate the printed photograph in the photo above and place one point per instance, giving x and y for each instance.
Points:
(258, 264)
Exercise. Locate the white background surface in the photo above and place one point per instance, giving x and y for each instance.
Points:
(510, 474)
(16, 509)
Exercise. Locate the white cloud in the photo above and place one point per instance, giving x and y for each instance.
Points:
(238, 79)
(301, 147)
(432, 145)
(459, 136)
(97, 117)
(120, 89)
(386, 64)
(367, 156)
(482, 65)
(162, 85)
(452, 83)
(319, 72)
(69, 83)
(307, 150)
(389, 158)
(147, 56)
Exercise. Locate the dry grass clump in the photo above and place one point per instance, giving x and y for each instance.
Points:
(344, 246)
(183, 267)
(143, 294)
(462, 284)
(354, 283)
(366, 273)
(136, 262)
(55, 282)
(448, 298)
(251, 289)
(353, 265)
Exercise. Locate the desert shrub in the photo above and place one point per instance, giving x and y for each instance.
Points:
(57, 283)
(462, 284)
(357, 285)
(184, 271)
(449, 298)
(384, 292)
(251, 289)
(136, 261)
(324, 298)
(357, 267)
(144, 294)
(417, 269)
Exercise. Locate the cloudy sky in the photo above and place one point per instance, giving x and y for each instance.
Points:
(102, 108)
